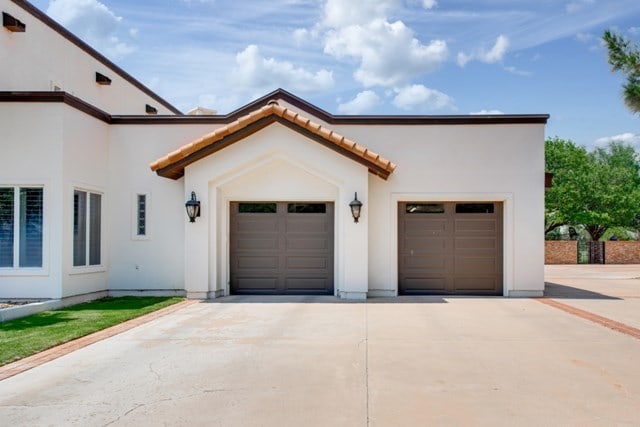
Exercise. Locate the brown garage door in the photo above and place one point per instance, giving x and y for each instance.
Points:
(450, 248)
(281, 248)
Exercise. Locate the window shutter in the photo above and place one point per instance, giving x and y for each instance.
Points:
(79, 228)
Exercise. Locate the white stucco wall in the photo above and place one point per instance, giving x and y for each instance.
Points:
(31, 144)
(85, 167)
(154, 263)
(39, 66)
(460, 163)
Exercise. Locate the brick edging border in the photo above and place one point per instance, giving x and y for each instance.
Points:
(52, 353)
(587, 315)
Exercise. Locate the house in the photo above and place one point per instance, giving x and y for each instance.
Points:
(96, 170)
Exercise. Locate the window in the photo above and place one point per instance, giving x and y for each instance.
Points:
(257, 207)
(307, 208)
(87, 215)
(424, 208)
(20, 227)
(474, 208)
(141, 215)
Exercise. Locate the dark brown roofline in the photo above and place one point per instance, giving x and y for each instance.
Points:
(62, 97)
(336, 119)
(280, 94)
(38, 14)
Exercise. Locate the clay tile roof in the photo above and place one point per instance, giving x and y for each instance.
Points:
(172, 165)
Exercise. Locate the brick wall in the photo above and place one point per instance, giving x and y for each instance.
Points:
(621, 252)
(561, 251)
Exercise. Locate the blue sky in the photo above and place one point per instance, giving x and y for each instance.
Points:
(375, 56)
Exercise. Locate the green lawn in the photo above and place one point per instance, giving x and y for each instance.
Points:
(29, 335)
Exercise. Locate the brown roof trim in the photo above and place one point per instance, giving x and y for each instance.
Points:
(172, 165)
(329, 118)
(38, 14)
(62, 97)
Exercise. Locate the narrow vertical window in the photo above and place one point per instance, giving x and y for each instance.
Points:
(21, 222)
(141, 216)
(95, 224)
(30, 243)
(6, 226)
(87, 226)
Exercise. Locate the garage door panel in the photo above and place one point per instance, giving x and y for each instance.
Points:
(309, 243)
(475, 225)
(478, 243)
(419, 284)
(306, 284)
(307, 262)
(307, 225)
(417, 246)
(475, 266)
(245, 284)
(257, 262)
(419, 227)
(425, 263)
(249, 243)
(259, 224)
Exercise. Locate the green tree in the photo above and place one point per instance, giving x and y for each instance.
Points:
(570, 165)
(624, 56)
(598, 189)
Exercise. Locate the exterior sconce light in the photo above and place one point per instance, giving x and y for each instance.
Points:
(193, 207)
(355, 206)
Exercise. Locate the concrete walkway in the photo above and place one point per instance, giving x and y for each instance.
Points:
(322, 362)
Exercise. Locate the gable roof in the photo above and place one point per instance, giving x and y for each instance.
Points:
(172, 165)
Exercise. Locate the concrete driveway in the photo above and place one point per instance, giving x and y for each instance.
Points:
(244, 361)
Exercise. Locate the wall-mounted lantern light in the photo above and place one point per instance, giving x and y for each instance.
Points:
(193, 207)
(355, 206)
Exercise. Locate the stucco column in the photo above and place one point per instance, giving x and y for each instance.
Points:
(196, 243)
(353, 254)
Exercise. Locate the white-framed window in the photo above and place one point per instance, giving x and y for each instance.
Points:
(140, 216)
(21, 225)
(87, 228)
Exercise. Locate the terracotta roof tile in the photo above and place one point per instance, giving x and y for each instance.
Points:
(173, 164)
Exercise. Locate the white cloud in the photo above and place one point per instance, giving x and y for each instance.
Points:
(518, 72)
(420, 97)
(627, 138)
(495, 54)
(486, 112)
(93, 22)
(634, 31)
(257, 73)
(363, 102)
(578, 5)
(388, 53)
(429, 4)
(346, 13)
